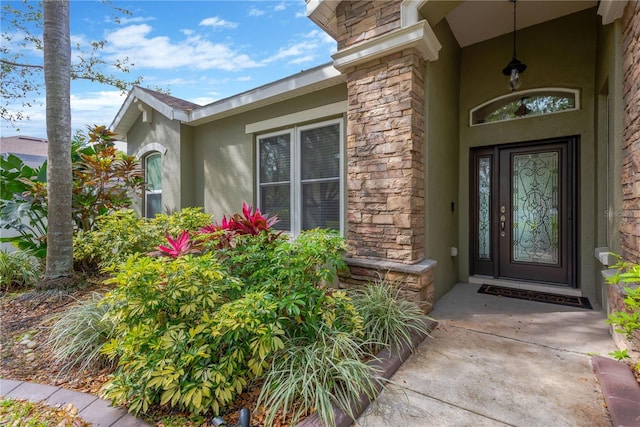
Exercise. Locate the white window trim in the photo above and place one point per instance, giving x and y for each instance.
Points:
(295, 180)
(297, 117)
(575, 92)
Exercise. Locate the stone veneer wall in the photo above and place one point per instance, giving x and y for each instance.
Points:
(385, 169)
(364, 20)
(630, 222)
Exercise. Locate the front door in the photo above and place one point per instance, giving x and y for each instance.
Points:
(523, 224)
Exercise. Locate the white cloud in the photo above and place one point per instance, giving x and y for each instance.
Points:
(161, 52)
(256, 12)
(87, 108)
(217, 22)
(136, 20)
(280, 6)
(301, 50)
(244, 79)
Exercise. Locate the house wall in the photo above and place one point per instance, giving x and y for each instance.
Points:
(187, 189)
(441, 159)
(559, 53)
(609, 156)
(166, 133)
(224, 154)
(630, 174)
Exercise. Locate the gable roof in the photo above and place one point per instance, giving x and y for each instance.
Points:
(140, 100)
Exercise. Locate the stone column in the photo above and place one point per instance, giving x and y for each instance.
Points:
(385, 138)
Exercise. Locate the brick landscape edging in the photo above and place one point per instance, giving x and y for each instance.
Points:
(621, 391)
(387, 363)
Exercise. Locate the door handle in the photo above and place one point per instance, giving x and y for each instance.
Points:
(503, 220)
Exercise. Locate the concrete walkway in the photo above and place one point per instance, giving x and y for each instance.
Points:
(497, 361)
(92, 409)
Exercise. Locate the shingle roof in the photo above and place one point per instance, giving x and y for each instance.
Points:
(172, 101)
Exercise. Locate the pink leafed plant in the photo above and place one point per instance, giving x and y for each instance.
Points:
(250, 222)
(176, 247)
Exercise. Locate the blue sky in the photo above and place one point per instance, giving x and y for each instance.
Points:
(202, 51)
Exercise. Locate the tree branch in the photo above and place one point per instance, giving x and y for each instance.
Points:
(17, 64)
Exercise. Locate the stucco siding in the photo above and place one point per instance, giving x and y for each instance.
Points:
(166, 133)
(441, 159)
(224, 154)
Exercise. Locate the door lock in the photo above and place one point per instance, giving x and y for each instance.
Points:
(503, 220)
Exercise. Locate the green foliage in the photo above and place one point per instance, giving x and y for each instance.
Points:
(103, 181)
(119, 235)
(309, 375)
(78, 334)
(18, 270)
(388, 320)
(620, 354)
(23, 204)
(627, 321)
(187, 336)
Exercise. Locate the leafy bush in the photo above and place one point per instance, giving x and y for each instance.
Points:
(627, 322)
(119, 235)
(388, 320)
(78, 334)
(308, 375)
(103, 181)
(186, 336)
(18, 270)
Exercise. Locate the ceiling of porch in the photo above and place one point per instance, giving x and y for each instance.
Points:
(473, 21)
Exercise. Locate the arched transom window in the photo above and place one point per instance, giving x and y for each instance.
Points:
(529, 103)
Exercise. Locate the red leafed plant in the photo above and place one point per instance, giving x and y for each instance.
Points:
(179, 246)
(250, 222)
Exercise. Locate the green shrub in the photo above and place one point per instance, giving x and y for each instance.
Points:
(78, 335)
(388, 320)
(119, 235)
(18, 270)
(186, 335)
(627, 322)
(308, 375)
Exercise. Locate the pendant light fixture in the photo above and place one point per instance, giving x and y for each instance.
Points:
(515, 67)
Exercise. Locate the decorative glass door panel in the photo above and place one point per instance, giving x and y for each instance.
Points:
(523, 199)
(535, 207)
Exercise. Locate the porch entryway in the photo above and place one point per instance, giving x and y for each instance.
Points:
(523, 217)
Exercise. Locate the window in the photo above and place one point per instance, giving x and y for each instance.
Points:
(299, 177)
(153, 179)
(527, 103)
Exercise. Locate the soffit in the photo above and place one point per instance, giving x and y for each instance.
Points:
(474, 21)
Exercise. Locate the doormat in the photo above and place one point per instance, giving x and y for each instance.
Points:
(571, 301)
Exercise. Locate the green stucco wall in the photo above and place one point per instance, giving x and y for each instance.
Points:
(558, 53)
(166, 133)
(224, 155)
(441, 159)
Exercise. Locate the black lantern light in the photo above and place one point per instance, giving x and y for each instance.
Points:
(515, 67)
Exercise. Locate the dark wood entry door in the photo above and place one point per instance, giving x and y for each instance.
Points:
(523, 224)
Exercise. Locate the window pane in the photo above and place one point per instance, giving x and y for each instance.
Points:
(275, 158)
(154, 204)
(153, 172)
(320, 152)
(321, 205)
(276, 200)
(484, 208)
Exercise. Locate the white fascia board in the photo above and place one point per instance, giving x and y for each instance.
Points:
(280, 90)
(610, 10)
(122, 112)
(409, 12)
(419, 36)
(298, 117)
(323, 14)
